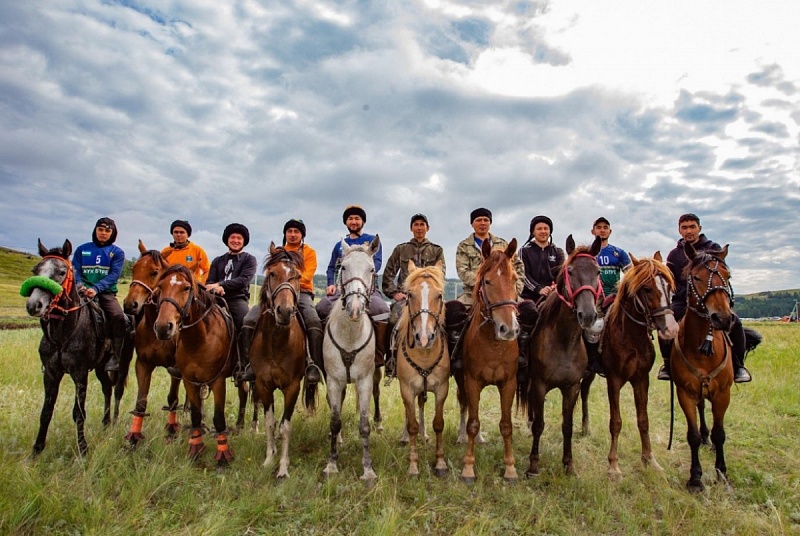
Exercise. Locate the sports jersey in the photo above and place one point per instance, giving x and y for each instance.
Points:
(612, 261)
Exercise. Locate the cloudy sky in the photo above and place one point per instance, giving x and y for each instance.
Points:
(257, 112)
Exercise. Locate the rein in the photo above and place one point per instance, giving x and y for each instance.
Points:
(348, 357)
(572, 294)
(357, 293)
(700, 309)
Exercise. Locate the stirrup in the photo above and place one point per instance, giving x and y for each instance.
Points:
(112, 365)
(663, 373)
(742, 375)
(390, 368)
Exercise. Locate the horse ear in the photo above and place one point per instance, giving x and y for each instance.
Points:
(634, 260)
(411, 265)
(597, 245)
(570, 245)
(486, 248)
(375, 245)
(272, 247)
(439, 264)
(689, 250)
(512, 248)
(42, 250)
(724, 252)
(142, 249)
(345, 247)
(657, 256)
(67, 249)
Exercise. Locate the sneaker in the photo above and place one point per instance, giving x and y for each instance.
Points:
(663, 373)
(742, 375)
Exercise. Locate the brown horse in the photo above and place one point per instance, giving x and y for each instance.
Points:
(150, 351)
(490, 350)
(278, 353)
(202, 333)
(627, 353)
(423, 363)
(704, 369)
(558, 356)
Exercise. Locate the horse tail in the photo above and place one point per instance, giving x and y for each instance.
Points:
(522, 393)
(310, 395)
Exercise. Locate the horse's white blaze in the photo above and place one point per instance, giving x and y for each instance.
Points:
(671, 330)
(424, 335)
(287, 270)
(173, 280)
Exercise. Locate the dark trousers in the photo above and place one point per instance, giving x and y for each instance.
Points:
(114, 315)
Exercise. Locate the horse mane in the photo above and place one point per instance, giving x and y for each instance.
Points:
(637, 277)
(703, 257)
(550, 306)
(496, 259)
(431, 273)
(157, 257)
(202, 296)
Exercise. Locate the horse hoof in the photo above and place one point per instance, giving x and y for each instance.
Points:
(510, 479)
(468, 480)
(695, 486)
(413, 476)
(530, 473)
(615, 476)
(403, 442)
(441, 473)
(283, 478)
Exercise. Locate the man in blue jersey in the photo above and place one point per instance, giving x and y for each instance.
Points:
(611, 259)
(98, 266)
(354, 218)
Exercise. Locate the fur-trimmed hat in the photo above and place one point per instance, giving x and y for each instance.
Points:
(237, 228)
(294, 224)
(181, 223)
(108, 223)
(419, 217)
(354, 210)
(542, 219)
(478, 212)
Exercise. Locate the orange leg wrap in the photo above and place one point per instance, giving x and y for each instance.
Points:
(224, 453)
(196, 445)
(135, 434)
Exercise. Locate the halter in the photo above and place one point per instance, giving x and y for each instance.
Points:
(184, 311)
(572, 294)
(54, 310)
(707, 347)
(491, 306)
(643, 308)
(412, 316)
(286, 285)
(358, 293)
(149, 290)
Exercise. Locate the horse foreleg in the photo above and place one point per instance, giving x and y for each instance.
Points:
(536, 405)
(243, 395)
(266, 394)
(507, 392)
(586, 385)
(335, 396)
(701, 412)
(411, 428)
(290, 397)
(173, 426)
(107, 386)
(614, 426)
(569, 397)
(719, 405)
(440, 469)
(196, 446)
(364, 386)
(143, 376)
(640, 395)
(52, 383)
(376, 396)
(79, 409)
(256, 407)
(224, 453)
(473, 391)
(693, 438)
(421, 405)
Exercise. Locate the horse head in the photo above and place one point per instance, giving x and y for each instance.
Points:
(176, 290)
(145, 272)
(710, 294)
(357, 276)
(578, 284)
(424, 289)
(52, 279)
(649, 285)
(279, 293)
(496, 285)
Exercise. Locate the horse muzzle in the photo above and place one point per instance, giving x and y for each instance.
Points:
(165, 331)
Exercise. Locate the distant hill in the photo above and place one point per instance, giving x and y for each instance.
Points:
(767, 304)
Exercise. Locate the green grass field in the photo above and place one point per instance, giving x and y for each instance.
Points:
(157, 490)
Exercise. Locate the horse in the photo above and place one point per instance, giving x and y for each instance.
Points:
(423, 363)
(704, 368)
(490, 350)
(203, 335)
(348, 348)
(627, 353)
(558, 355)
(278, 352)
(72, 342)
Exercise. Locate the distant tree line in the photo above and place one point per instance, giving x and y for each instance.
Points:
(766, 304)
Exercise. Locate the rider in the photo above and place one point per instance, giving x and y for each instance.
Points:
(424, 253)
(611, 259)
(689, 229)
(468, 259)
(354, 218)
(184, 252)
(231, 274)
(97, 267)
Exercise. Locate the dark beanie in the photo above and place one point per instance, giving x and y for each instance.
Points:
(181, 223)
(478, 212)
(236, 228)
(542, 219)
(108, 223)
(354, 210)
(419, 217)
(295, 224)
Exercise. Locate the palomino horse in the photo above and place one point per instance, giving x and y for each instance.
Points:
(423, 364)
(278, 353)
(704, 368)
(558, 356)
(72, 342)
(203, 336)
(627, 353)
(349, 348)
(490, 349)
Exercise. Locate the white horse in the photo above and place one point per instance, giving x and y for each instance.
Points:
(348, 348)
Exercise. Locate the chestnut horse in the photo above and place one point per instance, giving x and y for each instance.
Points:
(558, 355)
(490, 349)
(202, 333)
(72, 342)
(704, 368)
(627, 353)
(278, 352)
(423, 363)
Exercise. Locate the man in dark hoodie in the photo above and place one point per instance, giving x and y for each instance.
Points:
(689, 229)
(97, 267)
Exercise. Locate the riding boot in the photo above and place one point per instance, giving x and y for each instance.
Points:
(381, 341)
(391, 351)
(455, 322)
(316, 365)
(740, 374)
(666, 352)
(245, 373)
(116, 354)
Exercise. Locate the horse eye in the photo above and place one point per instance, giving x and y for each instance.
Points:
(154, 273)
(647, 289)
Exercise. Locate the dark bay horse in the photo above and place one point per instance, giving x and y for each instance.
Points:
(278, 353)
(73, 342)
(558, 355)
(490, 350)
(627, 353)
(423, 362)
(203, 334)
(703, 369)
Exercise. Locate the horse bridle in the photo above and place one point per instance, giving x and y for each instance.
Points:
(643, 308)
(273, 293)
(184, 311)
(54, 310)
(411, 316)
(357, 293)
(701, 309)
(597, 292)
